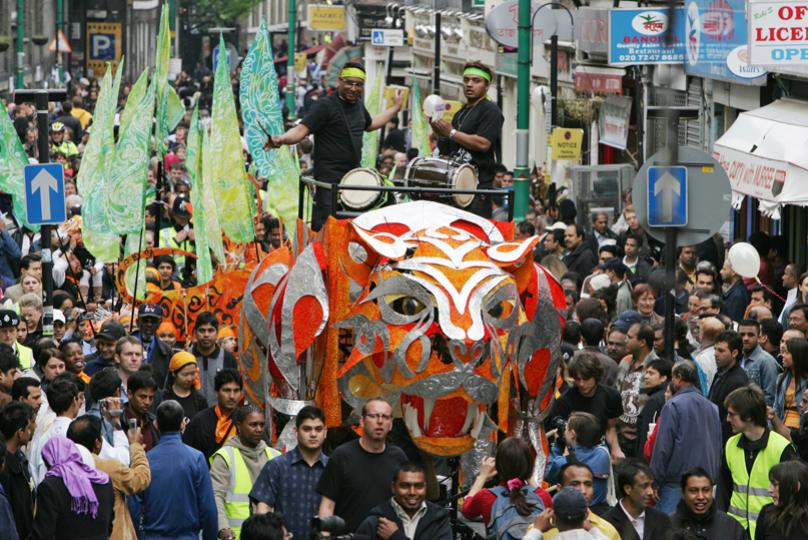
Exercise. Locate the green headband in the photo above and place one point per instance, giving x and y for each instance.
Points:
(352, 72)
(477, 72)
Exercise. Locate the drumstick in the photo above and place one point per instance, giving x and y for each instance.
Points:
(269, 137)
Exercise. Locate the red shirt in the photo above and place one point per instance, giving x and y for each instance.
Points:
(481, 503)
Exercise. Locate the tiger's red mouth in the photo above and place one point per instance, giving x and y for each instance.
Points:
(439, 424)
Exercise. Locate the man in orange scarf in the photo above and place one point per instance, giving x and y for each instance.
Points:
(211, 428)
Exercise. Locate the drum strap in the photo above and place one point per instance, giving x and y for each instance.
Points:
(358, 154)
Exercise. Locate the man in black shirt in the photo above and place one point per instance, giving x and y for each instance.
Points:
(337, 122)
(587, 395)
(356, 478)
(474, 134)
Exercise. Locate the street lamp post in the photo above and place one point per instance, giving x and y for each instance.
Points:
(59, 28)
(290, 62)
(525, 60)
(20, 72)
(521, 173)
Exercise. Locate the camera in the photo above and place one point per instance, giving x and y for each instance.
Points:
(331, 524)
(560, 425)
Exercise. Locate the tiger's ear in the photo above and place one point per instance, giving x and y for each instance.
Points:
(509, 255)
(386, 244)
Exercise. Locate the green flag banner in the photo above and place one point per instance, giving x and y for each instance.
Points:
(94, 173)
(12, 161)
(261, 106)
(370, 139)
(212, 226)
(90, 170)
(228, 171)
(193, 162)
(99, 156)
(162, 58)
(125, 186)
(420, 132)
(136, 95)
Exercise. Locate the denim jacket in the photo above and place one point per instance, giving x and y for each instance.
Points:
(780, 394)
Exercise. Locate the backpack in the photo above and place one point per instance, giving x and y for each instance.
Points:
(506, 522)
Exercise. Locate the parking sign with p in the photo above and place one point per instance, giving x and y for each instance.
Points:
(103, 45)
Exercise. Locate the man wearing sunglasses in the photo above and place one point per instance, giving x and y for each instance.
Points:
(338, 122)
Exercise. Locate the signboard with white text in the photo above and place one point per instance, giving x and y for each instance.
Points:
(717, 42)
(639, 36)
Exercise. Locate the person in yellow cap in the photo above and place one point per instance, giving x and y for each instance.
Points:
(227, 339)
(183, 384)
(337, 122)
(475, 133)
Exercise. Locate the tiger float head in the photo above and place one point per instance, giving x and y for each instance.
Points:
(428, 306)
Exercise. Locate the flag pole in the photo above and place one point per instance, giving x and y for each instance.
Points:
(137, 277)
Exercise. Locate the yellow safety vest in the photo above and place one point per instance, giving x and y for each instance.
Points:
(26, 356)
(750, 493)
(237, 503)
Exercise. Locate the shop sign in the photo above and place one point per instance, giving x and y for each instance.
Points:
(640, 36)
(614, 121)
(592, 30)
(717, 42)
(326, 18)
(778, 33)
(566, 143)
(599, 80)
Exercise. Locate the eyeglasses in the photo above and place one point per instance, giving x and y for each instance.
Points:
(378, 416)
(352, 84)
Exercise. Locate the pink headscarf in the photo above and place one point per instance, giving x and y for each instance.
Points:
(65, 462)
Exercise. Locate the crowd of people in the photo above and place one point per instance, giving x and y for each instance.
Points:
(117, 427)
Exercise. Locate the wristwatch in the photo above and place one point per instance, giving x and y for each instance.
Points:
(452, 133)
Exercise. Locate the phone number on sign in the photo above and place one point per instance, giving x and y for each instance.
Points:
(647, 57)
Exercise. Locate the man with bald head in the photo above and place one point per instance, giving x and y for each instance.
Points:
(760, 313)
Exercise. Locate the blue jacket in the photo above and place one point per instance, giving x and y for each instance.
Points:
(9, 251)
(762, 369)
(689, 435)
(596, 457)
(780, 394)
(7, 524)
(178, 503)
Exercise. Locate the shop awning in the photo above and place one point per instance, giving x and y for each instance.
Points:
(764, 155)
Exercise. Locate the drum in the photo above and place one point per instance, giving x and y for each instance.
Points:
(360, 200)
(436, 172)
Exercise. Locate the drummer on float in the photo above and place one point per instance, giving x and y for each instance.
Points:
(337, 122)
(474, 134)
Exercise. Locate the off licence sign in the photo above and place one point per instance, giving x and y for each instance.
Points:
(778, 33)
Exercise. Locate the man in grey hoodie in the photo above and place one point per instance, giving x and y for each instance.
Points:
(245, 452)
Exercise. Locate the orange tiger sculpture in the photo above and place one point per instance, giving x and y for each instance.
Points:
(424, 304)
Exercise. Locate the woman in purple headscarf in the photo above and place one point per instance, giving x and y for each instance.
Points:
(74, 501)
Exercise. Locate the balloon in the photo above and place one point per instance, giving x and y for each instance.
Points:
(744, 259)
(434, 106)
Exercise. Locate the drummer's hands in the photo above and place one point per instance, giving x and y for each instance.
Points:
(398, 99)
(273, 142)
(441, 127)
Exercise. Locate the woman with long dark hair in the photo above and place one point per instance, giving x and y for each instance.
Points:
(792, 382)
(512, 467)
(787, 517)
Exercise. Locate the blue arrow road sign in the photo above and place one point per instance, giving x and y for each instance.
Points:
(667, 196)
(45, 194)
(377, 37)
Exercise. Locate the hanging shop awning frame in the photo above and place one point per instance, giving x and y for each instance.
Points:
(764, 154)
